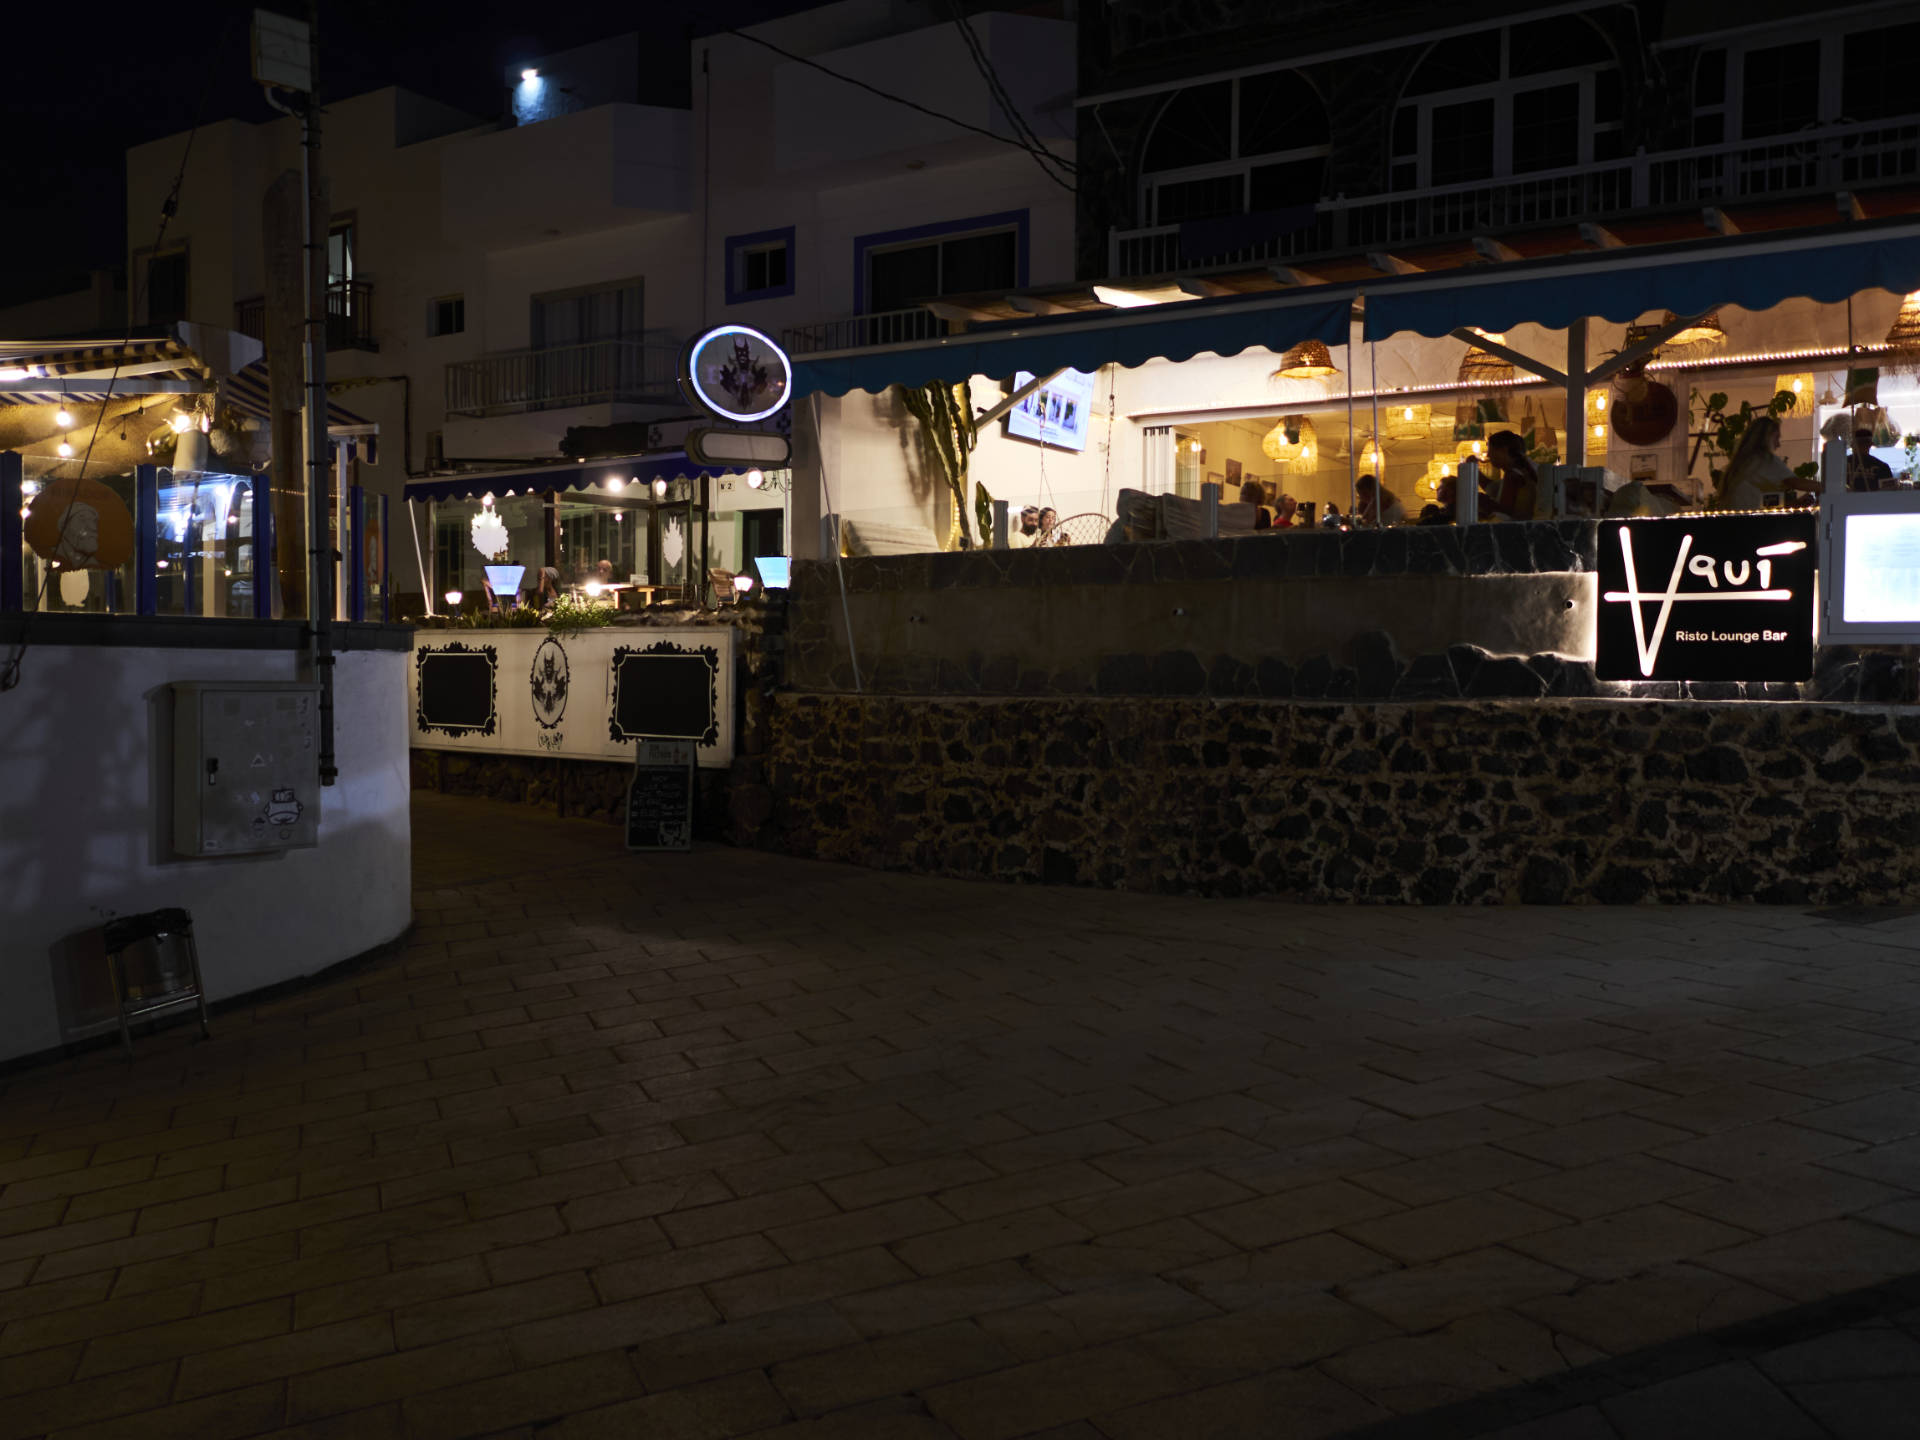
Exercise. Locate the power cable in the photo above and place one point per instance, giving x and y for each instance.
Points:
(898, 100)
(10, 669)
(984, 64)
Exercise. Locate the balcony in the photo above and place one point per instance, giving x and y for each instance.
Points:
(883, 327)
(349, 316)
(599, 372)
(1809, 162)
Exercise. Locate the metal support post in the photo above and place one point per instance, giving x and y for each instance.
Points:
(146, 539)
(1210, 508)
(12, 531)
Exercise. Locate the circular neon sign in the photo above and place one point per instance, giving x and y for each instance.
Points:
(737, 373)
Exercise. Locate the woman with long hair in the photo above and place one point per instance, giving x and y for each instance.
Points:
(1517, 495)
(1756, 469)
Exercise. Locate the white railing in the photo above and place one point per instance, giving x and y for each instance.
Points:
(600, 372)
(1825, 160)
(880, 327)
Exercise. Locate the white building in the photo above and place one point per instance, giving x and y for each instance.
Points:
(493, 285)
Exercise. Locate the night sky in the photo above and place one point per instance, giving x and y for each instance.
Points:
(86, 81)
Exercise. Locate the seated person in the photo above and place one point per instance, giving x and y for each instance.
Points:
(1866, 470)
(1446, 499)
(1288, 517)
(548, 590)
(1253, 493)
(1515, 494)
(1045, 532)
(1024, 529)
(1377, 504)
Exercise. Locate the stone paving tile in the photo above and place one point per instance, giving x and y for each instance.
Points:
(739, 1145)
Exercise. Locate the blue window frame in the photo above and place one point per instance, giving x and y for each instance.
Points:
(937, 264)
(760, 265)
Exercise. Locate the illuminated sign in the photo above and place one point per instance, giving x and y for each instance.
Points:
(736, 373)
(1870, 565)
(1724, 597)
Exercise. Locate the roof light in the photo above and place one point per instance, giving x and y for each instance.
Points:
(529, 75)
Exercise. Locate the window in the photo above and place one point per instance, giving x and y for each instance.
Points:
(340, 256)
(898, 269)
(166, 287)
(602, 312)
(1232, 146)
(1769, 87)
(1538, 96)
(447, 315)
(759, 266)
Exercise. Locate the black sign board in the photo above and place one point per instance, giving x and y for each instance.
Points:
(665, 693)
(456, 688)
(660, 797)
(1707, 597)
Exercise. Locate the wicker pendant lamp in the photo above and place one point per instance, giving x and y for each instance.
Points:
(1903, 340)
(1480, 368)
(1704, 332)
(1408, 422)
(1309, 360)
(1290, 440)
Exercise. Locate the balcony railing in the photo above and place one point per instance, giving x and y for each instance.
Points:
(349, 316)
(882, 327)
(1808, 162)
(599, 372)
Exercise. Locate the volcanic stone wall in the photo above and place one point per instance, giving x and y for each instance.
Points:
(1431, 803)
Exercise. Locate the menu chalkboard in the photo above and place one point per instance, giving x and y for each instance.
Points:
(660, 796)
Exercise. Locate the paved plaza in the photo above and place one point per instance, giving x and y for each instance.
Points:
(727, 1144)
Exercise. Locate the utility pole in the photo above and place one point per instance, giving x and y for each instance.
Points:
(285, 60)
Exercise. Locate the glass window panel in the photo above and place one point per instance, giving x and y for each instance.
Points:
(1406, 131)
(1877, 72)
(1462, 147)
(1546, 128)
(1710, 78)
(979, 262)
(1195, 128)
(167, 287)
(1609, 144)
(1781, 89)
(1280, 111)
(1606, 96)
(1182, 200)
(897, 278)
(1287, 184)
(1709, 129)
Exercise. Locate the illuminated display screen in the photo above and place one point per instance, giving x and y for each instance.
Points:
(1881, 578)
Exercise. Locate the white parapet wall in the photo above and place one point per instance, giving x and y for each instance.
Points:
(85, 780)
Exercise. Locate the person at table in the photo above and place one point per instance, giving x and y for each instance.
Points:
(1757, 471)
(1287, 514)
(549, 590)
(1253, 493)
(1377, 504)
(1866, 470)
(1446, 497)
(1512, 492)
(1331, 520)
(1045, 532)
(1025, 526)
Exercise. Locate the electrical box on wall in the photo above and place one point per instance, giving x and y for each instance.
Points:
(246, 768)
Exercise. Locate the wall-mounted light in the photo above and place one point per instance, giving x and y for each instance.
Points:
(454, 597)
(755, 479)
(660, 488)
(529, 75)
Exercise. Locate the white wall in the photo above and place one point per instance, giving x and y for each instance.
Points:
(82, 828)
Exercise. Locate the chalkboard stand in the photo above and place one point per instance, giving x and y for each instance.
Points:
(660, 796)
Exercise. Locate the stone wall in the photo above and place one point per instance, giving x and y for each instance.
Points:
(1418, 613)
(1439, 803)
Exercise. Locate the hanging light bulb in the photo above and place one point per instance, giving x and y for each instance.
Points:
(206, 424)
(63, 417)
(755, 479)
(181, 423)
(66, 450)
(1599, 400)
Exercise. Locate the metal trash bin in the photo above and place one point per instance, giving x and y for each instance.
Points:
(166, 979)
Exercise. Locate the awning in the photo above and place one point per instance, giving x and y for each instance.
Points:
(246, 391)
(1129, 337)
(1755, 272)
(630, 471)
(52, 372)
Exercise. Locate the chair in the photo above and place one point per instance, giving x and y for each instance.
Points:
(173, 991)
(1088, 528)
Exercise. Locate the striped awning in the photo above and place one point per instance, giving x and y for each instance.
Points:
(246, 390)
(89, 371)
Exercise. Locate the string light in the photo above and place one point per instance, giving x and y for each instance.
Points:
(63, 417)
(66, 451)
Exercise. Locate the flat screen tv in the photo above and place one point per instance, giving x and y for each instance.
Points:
(1056, 413)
